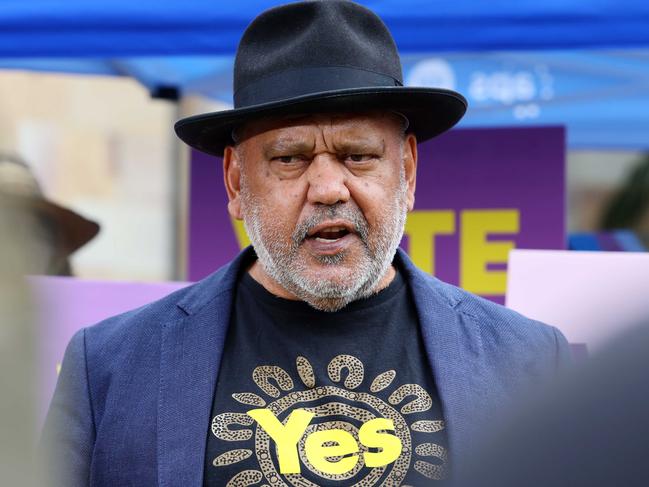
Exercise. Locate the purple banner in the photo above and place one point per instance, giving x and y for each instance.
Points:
(480, 193)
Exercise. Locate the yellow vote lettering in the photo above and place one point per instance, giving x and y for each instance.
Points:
(285, 436)
(371, 436)
(317, 452)
(421, 228)
(476, 251)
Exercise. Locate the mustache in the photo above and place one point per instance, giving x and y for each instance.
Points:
(339, 211)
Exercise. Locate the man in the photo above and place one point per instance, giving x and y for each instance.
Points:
(321, 355)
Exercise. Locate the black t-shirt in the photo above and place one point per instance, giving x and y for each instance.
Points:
(343, 398)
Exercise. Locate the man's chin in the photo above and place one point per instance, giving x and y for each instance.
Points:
(327, 282)
(338, 270)
(332, 287)
(327, 294)
(328, 305)
(343, 261)
(324, 285)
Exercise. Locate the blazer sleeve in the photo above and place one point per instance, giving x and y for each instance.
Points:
(69, 433)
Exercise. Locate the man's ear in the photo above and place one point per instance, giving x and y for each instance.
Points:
(410, 168)
(232, 180)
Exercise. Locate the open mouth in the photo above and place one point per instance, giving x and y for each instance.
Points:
(330, 238)
(330, 234)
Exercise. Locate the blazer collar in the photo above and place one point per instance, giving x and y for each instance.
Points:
(190, 356)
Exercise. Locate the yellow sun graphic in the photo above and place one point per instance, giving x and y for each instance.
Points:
(327, 406)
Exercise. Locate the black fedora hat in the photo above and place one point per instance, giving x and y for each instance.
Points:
(320, 56)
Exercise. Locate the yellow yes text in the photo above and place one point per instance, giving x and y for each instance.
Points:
(319, 446)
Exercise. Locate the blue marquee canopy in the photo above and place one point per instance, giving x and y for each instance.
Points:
(580, 63)
(127, 28)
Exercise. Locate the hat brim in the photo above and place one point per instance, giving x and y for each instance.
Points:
(74, 230)
(430, 111)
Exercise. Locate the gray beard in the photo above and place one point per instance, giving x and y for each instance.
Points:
(282, 264)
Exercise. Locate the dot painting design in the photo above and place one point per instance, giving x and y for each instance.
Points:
(429, 460)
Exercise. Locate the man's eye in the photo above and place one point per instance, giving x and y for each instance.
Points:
(287, 159)
(360, 157)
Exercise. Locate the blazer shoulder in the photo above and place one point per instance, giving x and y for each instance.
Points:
(127, 330)
(521, 349)
(500, 324)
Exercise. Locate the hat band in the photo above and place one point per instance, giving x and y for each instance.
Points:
(308, 81)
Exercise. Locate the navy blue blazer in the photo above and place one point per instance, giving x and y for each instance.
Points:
(133, 400)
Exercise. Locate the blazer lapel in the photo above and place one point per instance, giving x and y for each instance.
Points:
(454, 349)
(189, 362)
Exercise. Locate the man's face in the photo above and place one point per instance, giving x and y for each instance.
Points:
(324, 200)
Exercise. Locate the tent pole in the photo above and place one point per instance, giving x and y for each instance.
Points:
(179, 201)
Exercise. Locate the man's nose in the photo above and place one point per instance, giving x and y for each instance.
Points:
(327, 180)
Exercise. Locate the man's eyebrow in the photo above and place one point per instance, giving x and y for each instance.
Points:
(288, 146)
(360, 145)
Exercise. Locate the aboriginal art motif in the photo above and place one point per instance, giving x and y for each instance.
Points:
(341, 433)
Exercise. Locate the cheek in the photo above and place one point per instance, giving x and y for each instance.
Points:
(270, 191)
(280, 207)
(287, 199)
(373, 199)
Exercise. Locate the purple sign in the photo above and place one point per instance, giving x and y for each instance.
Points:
(480, 193)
